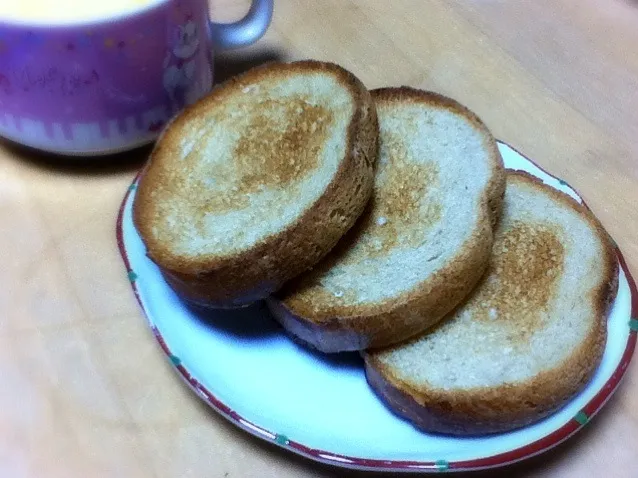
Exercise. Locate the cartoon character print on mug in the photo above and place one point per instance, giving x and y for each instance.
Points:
(186, 77)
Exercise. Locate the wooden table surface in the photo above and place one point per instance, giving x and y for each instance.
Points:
(84, 389)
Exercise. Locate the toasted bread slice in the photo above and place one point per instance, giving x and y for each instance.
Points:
(423, 242)
(527, 339)
(256, 182)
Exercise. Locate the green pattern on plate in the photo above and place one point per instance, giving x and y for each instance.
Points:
(562, 183)
(132, 276)
(175, 360)
(613, 241)
(581, 417)
(633, 324)
(132, 187)
(442, 465)
(281, 439)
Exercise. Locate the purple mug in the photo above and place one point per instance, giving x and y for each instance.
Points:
(99, 86)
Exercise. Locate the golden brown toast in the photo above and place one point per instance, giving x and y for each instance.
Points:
(530, 335)
(424, 240)
(256, 182)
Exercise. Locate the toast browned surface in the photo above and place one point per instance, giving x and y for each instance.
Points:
(539, 314)
(280, 133)
(407, 206)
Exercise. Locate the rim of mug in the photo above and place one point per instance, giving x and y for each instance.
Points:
(35, 22)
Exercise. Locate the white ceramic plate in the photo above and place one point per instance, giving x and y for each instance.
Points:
(320, 406)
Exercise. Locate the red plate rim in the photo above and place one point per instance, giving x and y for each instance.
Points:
(527, 451)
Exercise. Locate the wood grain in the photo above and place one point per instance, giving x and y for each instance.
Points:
(84, 389)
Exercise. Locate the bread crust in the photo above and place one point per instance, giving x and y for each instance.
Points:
(413, 312)
(486, 410)
(254, 273)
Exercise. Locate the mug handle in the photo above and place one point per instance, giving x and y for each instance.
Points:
(245, 31)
